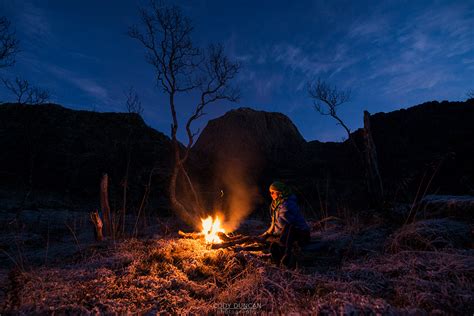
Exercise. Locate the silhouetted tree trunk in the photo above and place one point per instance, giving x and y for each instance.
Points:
(182, 68)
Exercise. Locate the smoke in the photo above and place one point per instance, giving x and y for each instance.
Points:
(238, 177)
(229, 164)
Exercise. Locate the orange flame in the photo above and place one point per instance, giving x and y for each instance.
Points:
(210, 228)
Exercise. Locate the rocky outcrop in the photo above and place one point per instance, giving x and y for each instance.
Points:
(247, 134)
(247, 147)
(241, 153)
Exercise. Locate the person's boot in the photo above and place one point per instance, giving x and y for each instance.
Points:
(276, 252)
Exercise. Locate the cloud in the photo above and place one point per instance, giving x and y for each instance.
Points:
(391, 51)
(374, 28)
(312, 63)
(420, 53)
(417, 80)
(265, 87)
(84, 57)
(87, 85)
(295, 58)
(34, 22)
(468, 60)
(451, 25)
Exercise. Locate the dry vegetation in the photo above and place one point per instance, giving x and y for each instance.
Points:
(184, 276)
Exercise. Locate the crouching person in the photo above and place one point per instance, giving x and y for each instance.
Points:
(288, 225)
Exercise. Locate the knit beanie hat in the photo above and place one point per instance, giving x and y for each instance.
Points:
(280, 187)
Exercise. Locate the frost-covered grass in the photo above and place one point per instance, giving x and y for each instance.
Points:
(183, 276)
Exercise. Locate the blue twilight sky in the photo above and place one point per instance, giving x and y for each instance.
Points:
(393, 54)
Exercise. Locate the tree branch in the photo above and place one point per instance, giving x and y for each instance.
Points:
(181, 67)
(9, 45)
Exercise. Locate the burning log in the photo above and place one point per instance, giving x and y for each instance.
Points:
(212, 233)
(248, 243)
(191, 235)
(237, 241)
(227, 238)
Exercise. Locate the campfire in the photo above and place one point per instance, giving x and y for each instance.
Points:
(213, 233)
(211, 229)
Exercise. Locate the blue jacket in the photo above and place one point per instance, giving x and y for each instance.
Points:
(287, 213)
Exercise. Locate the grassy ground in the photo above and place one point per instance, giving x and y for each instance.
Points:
(372, 270)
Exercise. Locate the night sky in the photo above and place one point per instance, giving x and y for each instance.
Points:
(393, 54)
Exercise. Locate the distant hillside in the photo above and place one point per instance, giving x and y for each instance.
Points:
(430, 138)
(433, 139)
(60, 154)
(411, 143)
(49, 148)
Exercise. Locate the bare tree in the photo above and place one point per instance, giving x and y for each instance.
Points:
(38, 96)
(19, 88)
(133, 103)
(181, 67)
(8, 44)
(326, 100)
(25, 93)
(470, 94)
(133, 106)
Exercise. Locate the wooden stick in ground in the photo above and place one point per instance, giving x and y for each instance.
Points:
(95, 218)
(104, 203)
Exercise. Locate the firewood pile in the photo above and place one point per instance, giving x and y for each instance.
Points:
(236, 242)
(316, 253)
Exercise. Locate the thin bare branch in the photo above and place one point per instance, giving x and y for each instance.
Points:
(9, 45)
(470, 94)
(19, 88)
(326, 99)
(38, 96)
(133, 103)
(26, 94)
